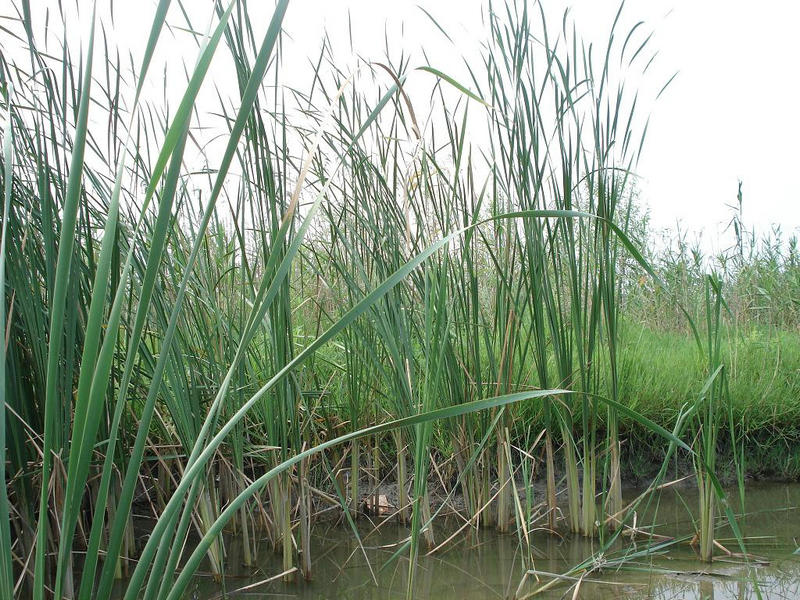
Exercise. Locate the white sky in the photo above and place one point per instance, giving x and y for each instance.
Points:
(730, 114)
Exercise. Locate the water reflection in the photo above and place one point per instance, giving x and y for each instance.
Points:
(486, 565)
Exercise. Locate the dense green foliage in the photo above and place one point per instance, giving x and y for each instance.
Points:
(349, 292)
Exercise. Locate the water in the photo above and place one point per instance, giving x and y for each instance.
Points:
(487, 565)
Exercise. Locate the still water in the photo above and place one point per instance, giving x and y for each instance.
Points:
(484, 564)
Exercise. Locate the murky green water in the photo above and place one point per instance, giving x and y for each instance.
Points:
(487, 565)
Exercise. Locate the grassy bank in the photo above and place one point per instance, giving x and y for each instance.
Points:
(661, 372)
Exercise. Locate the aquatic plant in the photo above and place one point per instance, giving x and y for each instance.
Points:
(343, 277)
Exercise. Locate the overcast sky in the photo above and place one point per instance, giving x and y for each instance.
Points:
(729, 115)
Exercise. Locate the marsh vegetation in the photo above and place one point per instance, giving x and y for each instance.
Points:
(228, 321)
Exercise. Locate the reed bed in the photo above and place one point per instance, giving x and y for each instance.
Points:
(349, 299)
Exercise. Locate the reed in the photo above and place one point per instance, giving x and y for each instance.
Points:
(713, 406)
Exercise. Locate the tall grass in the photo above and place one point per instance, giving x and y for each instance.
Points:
(346, 273)
(6, 568)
